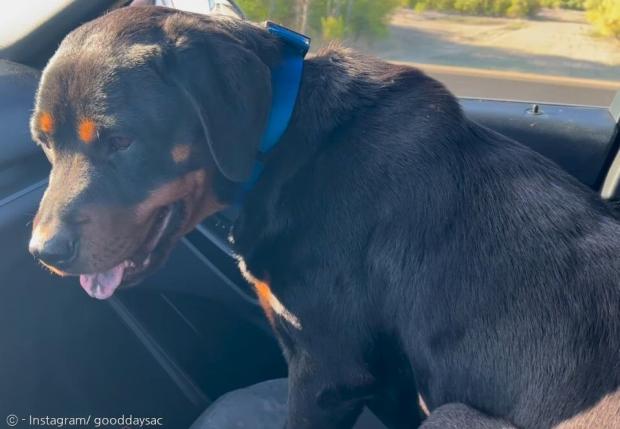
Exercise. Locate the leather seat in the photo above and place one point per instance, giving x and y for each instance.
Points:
(261, 406)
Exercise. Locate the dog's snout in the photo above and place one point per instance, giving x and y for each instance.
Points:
(58, 250)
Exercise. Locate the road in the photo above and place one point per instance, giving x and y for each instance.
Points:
(469, 82)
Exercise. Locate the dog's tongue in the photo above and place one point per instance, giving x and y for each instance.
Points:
(103, 285)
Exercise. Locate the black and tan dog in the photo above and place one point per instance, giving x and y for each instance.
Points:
(388, 236)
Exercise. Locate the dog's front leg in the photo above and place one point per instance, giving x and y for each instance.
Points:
(396, 405)
(325, 394)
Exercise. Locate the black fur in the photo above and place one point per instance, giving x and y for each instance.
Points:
(385, 213)
(415, 247)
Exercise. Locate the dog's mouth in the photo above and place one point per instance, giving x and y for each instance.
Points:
(148, 257)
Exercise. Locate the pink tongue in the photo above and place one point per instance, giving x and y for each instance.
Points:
(103, 285)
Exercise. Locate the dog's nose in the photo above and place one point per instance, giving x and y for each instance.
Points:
(58, 250)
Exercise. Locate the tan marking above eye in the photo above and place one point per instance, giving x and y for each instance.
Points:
(46, 122)
(87, 130)
(180, 153)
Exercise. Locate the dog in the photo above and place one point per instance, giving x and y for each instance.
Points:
(396, 247)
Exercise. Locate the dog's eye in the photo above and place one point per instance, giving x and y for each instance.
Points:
(116, 143)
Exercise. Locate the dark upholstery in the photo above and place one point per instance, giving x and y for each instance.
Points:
(261, 406)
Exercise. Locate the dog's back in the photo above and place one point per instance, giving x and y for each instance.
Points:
(496, 269)
(525, 261)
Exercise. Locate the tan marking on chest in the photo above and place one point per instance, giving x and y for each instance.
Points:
(270, 304)
(605, 414)
(264, 298)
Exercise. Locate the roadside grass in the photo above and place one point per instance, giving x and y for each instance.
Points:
(514, 26)
(467, 19)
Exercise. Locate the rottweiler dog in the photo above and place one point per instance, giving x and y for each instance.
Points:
(395, 245)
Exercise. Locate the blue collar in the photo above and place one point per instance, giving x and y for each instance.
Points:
(285, 82)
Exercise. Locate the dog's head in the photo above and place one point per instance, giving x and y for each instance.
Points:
(148, 116)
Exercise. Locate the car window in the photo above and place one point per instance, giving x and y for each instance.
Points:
(559, 51)
(20, 18)
(222, 7)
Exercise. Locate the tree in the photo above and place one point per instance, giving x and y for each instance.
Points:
(302, 15)
(512, 8)
(326, 19)
(605, 15)
(275, 10)
(564, 4)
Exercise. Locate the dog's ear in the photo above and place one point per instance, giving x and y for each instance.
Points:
(229, 88)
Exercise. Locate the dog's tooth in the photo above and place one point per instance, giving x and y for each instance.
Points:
(146, 261)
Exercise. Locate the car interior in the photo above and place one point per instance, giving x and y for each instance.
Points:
(194, 331)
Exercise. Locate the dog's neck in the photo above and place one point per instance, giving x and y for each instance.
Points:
(334, 87)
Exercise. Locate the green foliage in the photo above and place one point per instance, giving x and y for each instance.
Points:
(370, 17)
(351, 18)
(327, 19)
(419, 5)
(512, 8)
(332, 27)
(605, 15)
(255, 10)
(338, 19)
(519, 8)
(422, 5)
(564, 4)
(275, 10)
